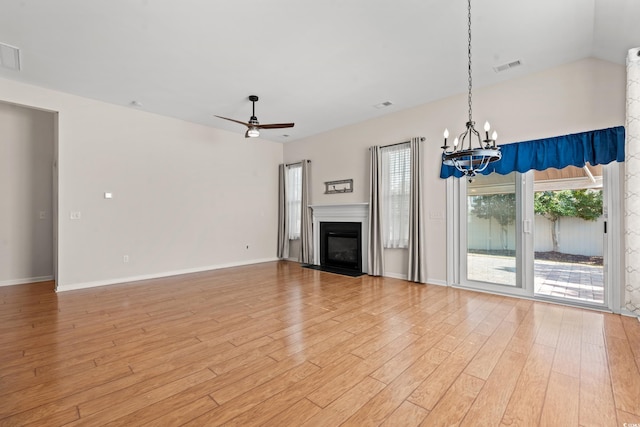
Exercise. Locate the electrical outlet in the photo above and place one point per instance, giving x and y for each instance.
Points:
(43, 215)
(125, 258)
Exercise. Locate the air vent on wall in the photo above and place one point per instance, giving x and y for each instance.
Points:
(507, 66)
(9, 57)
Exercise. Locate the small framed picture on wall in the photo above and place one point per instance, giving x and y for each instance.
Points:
(341, 186)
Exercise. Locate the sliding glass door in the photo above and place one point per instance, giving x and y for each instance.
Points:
(538, 234)
(491, 230)
(492, 242)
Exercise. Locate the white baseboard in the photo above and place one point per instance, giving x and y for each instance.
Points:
(87, 285)
(13, 282)
(629, 313)
(396, 276)
(406, 277)
(437, 282)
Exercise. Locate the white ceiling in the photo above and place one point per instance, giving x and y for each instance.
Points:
(320, 64)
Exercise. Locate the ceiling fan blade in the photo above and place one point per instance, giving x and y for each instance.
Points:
(232, 120)
(276, 126)
(253, 126)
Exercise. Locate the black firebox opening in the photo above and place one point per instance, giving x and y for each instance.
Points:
(341, 245)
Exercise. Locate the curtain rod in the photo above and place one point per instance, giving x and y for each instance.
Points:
(422, 139)
(297, 163)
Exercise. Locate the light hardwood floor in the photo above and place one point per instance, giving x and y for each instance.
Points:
(274, 344)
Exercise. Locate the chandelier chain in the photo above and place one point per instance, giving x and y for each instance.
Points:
(466, 158)
(469, 56)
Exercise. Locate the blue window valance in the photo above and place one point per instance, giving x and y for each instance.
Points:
(596, 147)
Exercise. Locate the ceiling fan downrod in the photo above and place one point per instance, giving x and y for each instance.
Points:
(253, 99)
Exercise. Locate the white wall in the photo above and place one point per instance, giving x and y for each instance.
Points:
(185, 197)
(26, 205)
(581, 96)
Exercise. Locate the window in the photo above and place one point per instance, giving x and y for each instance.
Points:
(396, 176)
(294, 199)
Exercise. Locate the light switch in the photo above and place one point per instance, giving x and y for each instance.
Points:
(108, 195)
(75, 215)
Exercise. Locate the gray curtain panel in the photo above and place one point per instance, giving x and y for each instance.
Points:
(375, 251)
(417, 245)
(306, 224)
(283, 232)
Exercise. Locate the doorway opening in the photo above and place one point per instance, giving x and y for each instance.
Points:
(28, 195)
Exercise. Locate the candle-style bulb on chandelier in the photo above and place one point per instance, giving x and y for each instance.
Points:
(470, 153)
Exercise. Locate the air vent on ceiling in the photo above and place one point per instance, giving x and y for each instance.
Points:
(9, 57)
(507, 66)
(384, 104)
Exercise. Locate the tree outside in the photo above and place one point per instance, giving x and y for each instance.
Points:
(585, 204)
(501, 207)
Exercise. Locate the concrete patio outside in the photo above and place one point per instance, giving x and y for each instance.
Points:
(571, 281)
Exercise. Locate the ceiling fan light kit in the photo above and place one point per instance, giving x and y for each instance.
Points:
(253, 125)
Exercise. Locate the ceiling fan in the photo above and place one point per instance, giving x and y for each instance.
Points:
(253, 126)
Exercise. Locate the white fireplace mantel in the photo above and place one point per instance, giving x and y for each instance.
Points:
(352, 212)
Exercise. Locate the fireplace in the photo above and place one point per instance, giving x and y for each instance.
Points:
(341, 245)
(353, 213)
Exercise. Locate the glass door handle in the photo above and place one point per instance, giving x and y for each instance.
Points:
(526, 226)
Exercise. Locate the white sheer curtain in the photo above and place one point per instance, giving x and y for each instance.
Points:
(294, 199)
(283, 234)
(632, 184)
(396, 186)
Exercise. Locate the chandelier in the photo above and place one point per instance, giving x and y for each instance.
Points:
(470, 153)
